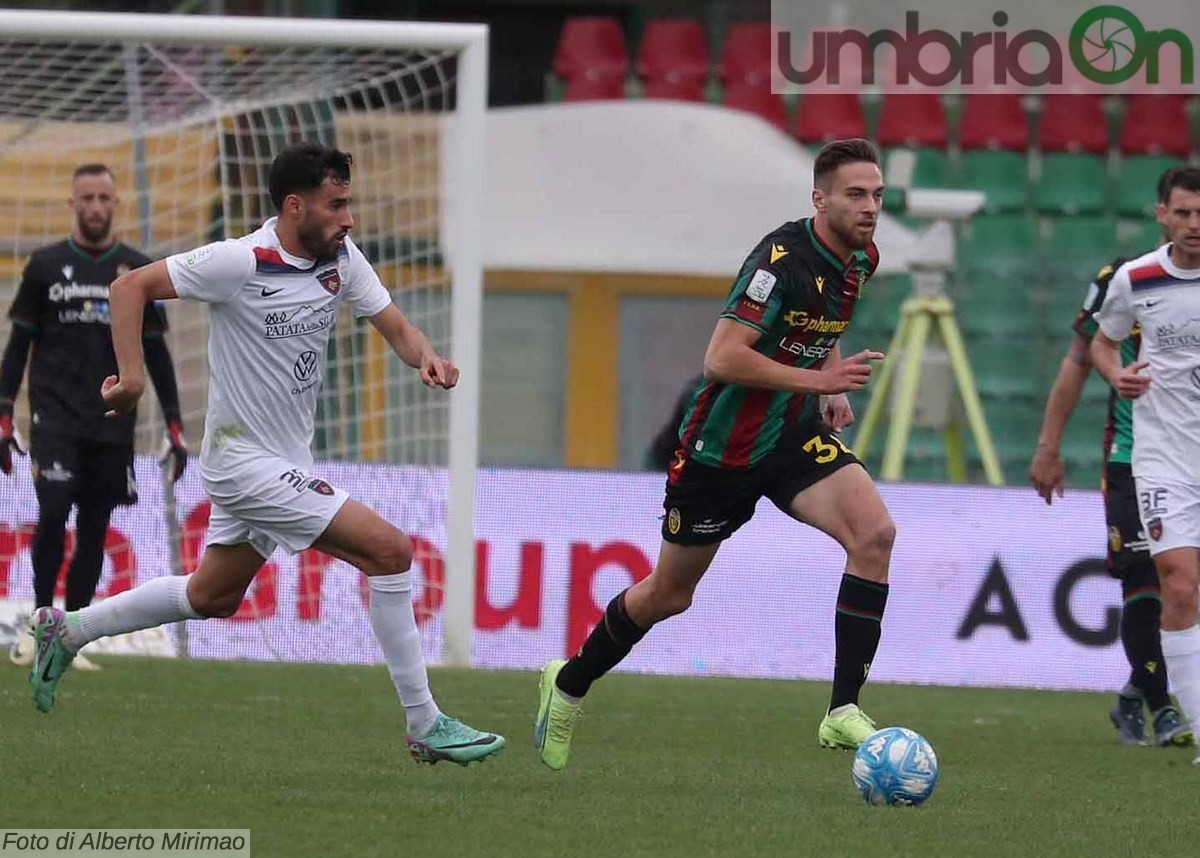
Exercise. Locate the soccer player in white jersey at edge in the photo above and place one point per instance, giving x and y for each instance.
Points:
(1159, 293)
(273, 297)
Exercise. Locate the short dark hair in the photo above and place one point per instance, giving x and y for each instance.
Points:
(837, 152)
(95, 169)
(1187, 178)
(301, 168)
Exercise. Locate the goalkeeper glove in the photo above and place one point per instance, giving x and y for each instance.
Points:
(9, 441)
(175, 452)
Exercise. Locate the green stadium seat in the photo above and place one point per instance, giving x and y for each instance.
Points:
(998, 245)
(932, 170)
(1003, 176)
(990, 306)
(1077, 247)
(1135, 183)
(1005, 368)
(878, 310)
(1071, 184)
(1141, 237)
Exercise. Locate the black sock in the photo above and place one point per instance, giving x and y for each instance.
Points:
(1141, 640)
(860, 607)
(46, 553)
(611, 640)
(91, 527)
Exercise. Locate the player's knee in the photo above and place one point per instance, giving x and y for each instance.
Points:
(390, 553)
(214, 606)
(1179, 590)
(876, 540)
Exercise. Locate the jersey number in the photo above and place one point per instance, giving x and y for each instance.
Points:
(822, 451)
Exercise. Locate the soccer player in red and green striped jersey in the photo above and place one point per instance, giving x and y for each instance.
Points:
(764, 422)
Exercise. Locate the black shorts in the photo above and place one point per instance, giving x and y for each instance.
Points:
(706, 504)
(69, 470)
(1127, 545)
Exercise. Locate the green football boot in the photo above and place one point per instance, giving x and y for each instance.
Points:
(555, 720)
(51, 656)
(454, 741)
(845, 727)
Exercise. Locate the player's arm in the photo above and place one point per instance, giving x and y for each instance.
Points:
(412, 346)
(1046, 471)
(1127, 380)
(162, 373)
(127, 299)
(835, 407)
(731, 359)
(26, 314)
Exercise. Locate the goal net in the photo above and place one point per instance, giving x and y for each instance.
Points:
(188, 112)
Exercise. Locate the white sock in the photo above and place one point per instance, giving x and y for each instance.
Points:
(396, 630)
(158, 601)
(1181, 650)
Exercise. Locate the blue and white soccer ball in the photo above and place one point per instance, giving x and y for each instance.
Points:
(895, 765)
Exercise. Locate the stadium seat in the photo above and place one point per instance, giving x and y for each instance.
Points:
(746, 55)
(1076, 247)
(759, 100)
(1006, 368)
(1003, 176)
(931, 170)
(991, 305)
(591, 59)
(998, 245)
(1073, 123)
(877, 312)
(912, 120)
(994, 121)
(1144, 236)
(1135, 183)
(1071, 184)
(829, 116)
(1014, 423)
(673, 59)
(1156, 125)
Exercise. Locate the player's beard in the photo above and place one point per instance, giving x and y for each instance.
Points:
(316, 244)
(849, 235)
(95, 234)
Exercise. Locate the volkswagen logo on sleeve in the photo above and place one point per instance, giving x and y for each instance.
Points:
(305, 370)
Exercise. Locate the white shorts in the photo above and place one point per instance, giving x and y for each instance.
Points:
(1170, 513)
(260, 498)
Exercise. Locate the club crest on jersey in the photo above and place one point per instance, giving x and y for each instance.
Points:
(1155, 528)
(331, 280)
(320, 487)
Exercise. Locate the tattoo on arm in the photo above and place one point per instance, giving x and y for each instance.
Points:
(1078, 353)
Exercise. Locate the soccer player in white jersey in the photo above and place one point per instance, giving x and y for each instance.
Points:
(273, 297)
(1159, 293)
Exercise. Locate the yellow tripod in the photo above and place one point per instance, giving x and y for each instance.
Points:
(918, 316)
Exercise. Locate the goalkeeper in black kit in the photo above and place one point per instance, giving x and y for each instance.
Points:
(60, 326)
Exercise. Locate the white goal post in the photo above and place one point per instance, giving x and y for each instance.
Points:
(189, 110)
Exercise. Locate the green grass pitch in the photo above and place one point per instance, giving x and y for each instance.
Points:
(312, 760)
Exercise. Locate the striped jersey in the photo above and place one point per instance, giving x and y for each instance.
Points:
(1153, 293)
(270, 316)
(1118, 427)
(797, 293)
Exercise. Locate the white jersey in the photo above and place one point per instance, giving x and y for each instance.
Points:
(270, 316)
(1163, 300)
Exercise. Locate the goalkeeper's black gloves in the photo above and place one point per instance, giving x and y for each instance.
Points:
(175, 452)
(9, 442)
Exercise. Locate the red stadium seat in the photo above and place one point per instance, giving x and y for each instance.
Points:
(673, 59)
(592, 59)
(1073, 123)
(994, 121)
(1156, 125)
(746, 56)
(759, 100)
(829, 116)
(912, 120)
